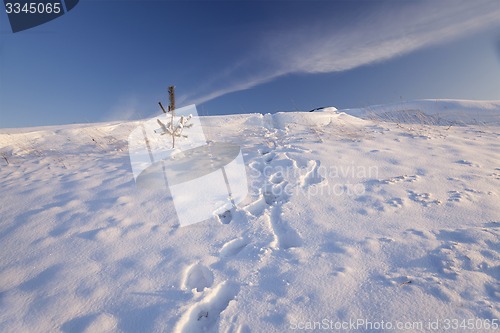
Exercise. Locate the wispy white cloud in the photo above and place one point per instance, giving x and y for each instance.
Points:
(393, 29)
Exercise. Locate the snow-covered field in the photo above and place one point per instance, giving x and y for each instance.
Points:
(356, 220)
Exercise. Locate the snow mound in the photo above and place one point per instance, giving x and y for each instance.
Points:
(388, 213)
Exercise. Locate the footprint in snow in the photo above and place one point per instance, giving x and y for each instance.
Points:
(226, 217)
(312, 175)
(285, 237)
(233, 247)
(268, 157)
(276, 178)
(198, 277)
(204, 315)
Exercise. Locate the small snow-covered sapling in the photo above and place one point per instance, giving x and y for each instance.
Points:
(175, 130)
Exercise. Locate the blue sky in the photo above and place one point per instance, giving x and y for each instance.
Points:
(112, 60)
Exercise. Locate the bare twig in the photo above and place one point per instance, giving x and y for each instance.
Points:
(162, 108)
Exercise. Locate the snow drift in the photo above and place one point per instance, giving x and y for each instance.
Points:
(388, 213)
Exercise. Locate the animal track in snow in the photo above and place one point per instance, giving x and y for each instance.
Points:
(458, 196)
(203, 316)
(403, 178)
(374, 184)
(395, 202)
(454, 196)
(422, 198)
(454, 258)
(198, 277)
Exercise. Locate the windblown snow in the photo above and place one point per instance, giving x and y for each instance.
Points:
(387, 215)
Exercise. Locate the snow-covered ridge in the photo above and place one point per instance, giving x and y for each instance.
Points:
(435, 112)
(431, 112)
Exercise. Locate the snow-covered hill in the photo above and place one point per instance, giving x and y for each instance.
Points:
(356, 220)
(434, 112)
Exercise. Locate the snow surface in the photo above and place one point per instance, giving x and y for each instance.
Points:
(388, 213)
